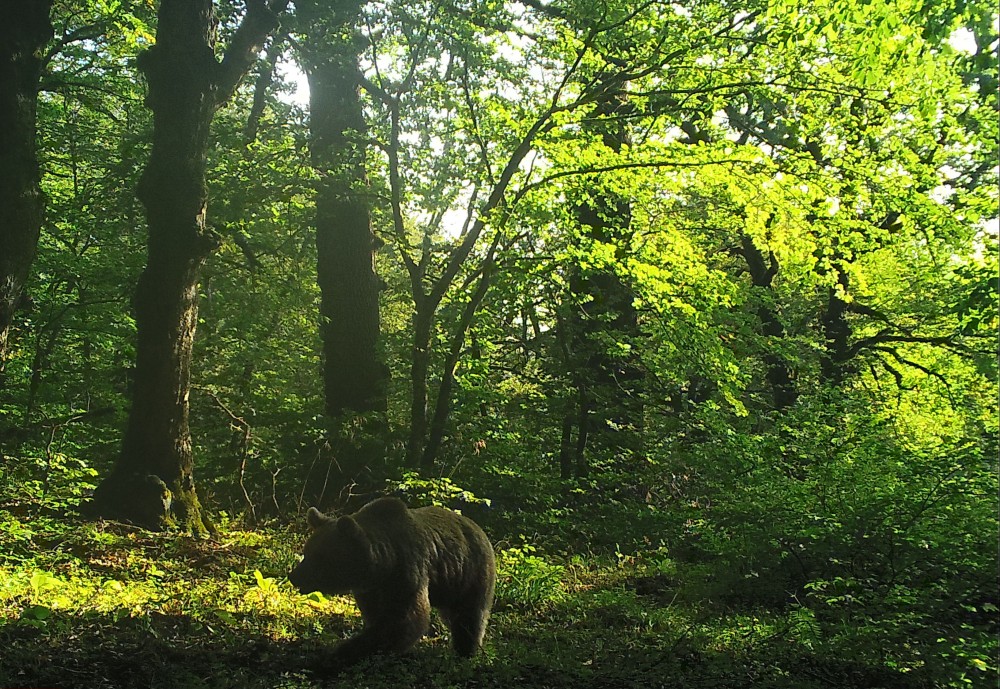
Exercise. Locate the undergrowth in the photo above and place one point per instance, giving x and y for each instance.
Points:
(595, 589)
(105, 605)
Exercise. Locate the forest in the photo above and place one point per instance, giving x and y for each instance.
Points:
(692, 306)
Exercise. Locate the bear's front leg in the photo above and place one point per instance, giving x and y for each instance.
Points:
(356, 648)
(366, 643)
(392, 625)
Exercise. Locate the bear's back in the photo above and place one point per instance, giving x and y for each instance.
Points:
(392, 533)
(433, 544)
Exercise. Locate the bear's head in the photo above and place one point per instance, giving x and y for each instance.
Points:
(336, 559)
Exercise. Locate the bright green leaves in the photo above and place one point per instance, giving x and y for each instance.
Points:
(526, 580)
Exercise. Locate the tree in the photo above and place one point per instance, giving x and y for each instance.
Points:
(601, 320)
(152, 483)
(25, 31)
(354, 373)
(437, 94)
(485, 115)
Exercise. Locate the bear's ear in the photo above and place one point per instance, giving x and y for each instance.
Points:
(316, 519)
(350, 529)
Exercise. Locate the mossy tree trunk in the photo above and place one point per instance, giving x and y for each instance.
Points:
(24, 32)
(152, 483)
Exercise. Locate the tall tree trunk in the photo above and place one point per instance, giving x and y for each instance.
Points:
(24, 32)
(152, 483)
(609, 387)
(835, 363)
(355, 377)
(779, 375)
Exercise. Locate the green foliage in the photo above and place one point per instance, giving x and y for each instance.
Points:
(845, 536)
(441, 491)
(880, 543)
(527, 581)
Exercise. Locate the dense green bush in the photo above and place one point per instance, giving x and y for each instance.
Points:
(887, 542)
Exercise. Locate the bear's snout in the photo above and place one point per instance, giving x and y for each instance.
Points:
(302, 579)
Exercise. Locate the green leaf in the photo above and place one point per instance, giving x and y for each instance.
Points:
(36, 612)
(979, 664)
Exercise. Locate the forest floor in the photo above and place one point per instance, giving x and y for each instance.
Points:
(97, 605)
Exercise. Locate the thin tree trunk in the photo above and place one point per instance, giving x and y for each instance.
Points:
(566, 451)
(423, 320)
(580, 466)
(23, 32)
(152, 483)
(442, 406)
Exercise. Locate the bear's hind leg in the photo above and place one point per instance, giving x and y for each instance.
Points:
(468, 627)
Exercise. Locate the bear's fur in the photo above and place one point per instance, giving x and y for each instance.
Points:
(399, 563)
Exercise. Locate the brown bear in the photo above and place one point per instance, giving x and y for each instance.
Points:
(398, 563)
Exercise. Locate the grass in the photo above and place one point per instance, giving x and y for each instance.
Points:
(104, 605)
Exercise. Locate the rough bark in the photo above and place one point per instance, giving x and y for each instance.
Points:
(23, 33)
(152, 483)
(355, 377)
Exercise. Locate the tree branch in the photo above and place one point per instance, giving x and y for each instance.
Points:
(912, 364)
(259, 21)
